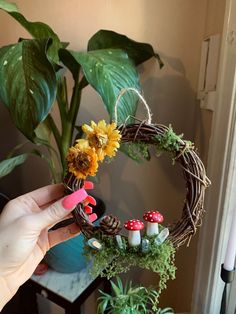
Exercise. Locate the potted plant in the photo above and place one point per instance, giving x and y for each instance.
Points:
(130, 299)
(33, 80)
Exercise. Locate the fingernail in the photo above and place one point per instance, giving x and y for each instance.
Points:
(88, 209)
(92, 217)
(88, 185)
(73, 199)
(91, 200)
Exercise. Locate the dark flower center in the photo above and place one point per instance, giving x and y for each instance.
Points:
(82, 161)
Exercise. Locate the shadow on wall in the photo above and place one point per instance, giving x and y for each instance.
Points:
(27, 177)
(170, 96)
(129, 189)
(9, 137)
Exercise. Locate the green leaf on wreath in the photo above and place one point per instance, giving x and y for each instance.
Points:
(108, 72)
(38, 30)
(7, 165)
(27, 83)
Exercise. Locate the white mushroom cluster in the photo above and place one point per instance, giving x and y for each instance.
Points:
(134, 226)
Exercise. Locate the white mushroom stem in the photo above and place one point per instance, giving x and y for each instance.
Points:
(134, 237)
(152, 228)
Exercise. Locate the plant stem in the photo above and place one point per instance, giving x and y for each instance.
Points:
(68, 122)
(75, 102)
(68, 117)
(56, 134)
(62, 99)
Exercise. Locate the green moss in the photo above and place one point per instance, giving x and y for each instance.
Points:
(138, 151)
(111, 261)
(169, 142)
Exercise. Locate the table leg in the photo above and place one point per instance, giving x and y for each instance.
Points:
(73, 310)
(107, 286)
(28, 300)
(24, 302)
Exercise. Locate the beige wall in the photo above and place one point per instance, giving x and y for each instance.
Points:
(175, 29)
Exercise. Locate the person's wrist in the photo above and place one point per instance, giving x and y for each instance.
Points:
(5, 293)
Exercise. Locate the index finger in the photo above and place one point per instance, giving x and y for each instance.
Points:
(47, 194)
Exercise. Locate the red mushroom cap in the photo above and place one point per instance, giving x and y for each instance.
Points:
(153, 216)
(134, 225)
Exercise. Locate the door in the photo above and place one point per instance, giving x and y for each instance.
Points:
(221, 197)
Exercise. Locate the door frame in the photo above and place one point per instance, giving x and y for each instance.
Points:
(221, 169)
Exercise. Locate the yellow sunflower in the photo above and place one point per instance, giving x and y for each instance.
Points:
(82, 159)
(103, 137)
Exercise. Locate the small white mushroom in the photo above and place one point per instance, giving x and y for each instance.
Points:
(153, 217)
(134, 226)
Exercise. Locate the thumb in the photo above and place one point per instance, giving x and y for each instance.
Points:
(59, 209)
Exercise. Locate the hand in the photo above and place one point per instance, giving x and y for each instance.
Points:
(24, 233)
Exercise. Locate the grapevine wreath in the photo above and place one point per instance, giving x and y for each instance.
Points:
(107, 243)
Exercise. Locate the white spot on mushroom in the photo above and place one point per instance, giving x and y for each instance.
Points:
(5, 62)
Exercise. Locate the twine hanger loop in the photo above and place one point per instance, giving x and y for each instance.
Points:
(125, 90)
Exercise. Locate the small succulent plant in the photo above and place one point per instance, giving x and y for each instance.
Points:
(130, 299)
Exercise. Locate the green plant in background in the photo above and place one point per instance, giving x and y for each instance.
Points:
(32, 80)
(129, 299)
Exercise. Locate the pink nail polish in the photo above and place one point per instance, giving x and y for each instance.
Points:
(88, 185)
(91, 200)
(92, 217)
(88, 209)
(73, 199)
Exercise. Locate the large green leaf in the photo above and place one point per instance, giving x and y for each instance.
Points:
(27, 83)
(43, 132)
(109, 71)
(139, 52)
(7, 165)
(70, 62)
(38, 30)
(72, 65)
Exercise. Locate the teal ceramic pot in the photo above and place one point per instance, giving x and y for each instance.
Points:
(68, 257)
